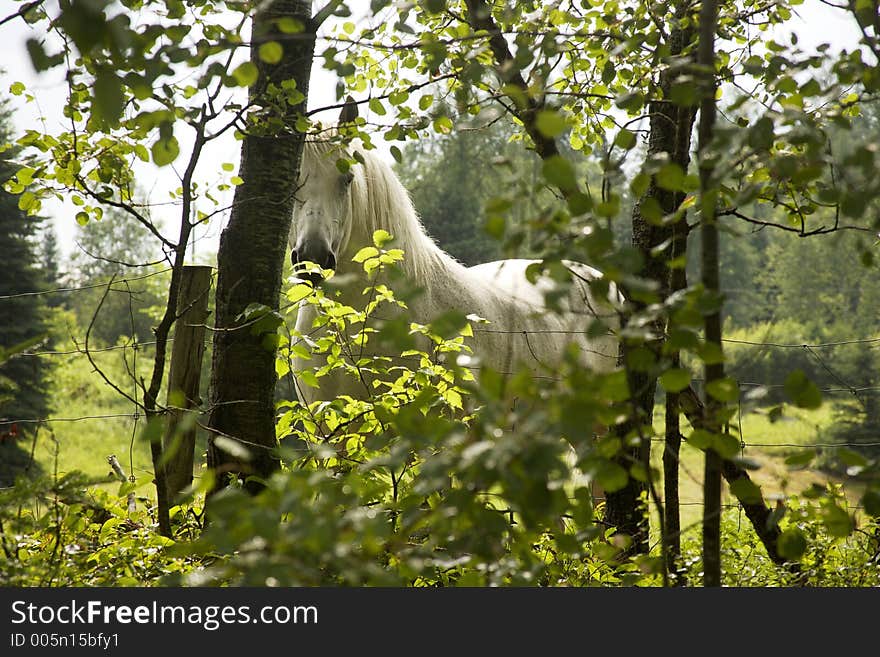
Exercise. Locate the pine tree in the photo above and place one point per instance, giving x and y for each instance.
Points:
(22, 318)
(450, 179)
(50, 255)
(116, 246)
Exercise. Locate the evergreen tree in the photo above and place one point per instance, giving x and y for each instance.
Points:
(447, 179)
(22, 318)
(112, 247)
(453, 178)
(50, 263)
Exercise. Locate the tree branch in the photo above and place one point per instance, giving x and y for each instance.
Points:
(480, 19)
(324, 13)
(21, 11)
(801, 232)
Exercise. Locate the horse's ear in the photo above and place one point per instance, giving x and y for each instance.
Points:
(349, 111)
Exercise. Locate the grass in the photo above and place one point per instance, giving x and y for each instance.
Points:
(84, 444)
(86, 432)
(767, 444)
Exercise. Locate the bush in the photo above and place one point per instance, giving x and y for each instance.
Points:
(68, 532)
(818, 530)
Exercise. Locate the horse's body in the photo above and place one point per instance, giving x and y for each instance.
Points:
(337, 214)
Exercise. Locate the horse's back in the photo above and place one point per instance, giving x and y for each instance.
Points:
(534, 332)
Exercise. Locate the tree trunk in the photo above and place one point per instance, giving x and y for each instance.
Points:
(710, 275)
(671, 126)
(251, 257)
(672, 441)
(756, 509)
(184, 377)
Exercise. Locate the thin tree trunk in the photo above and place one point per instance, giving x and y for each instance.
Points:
(672, 442)
(671, 127)
(184, 377)
(672, 509)
(710, 274)
(251, 257)
(162, 331)
(756, 510)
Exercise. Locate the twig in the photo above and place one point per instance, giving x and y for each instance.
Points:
(120, 473)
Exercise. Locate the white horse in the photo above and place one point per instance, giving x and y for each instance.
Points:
(337, 213)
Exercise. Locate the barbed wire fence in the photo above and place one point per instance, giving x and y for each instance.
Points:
(129, 351)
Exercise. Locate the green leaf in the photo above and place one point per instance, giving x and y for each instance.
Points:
(724, 390)
(25, 175)
(271, 52)
(802, 391)
(761, 134)
(28, 201)
(579, 203)
(246, 74)
(608, 72)
(299, 292)
(675, 379)
(746, 491)
(290, 25)
(615, 387)
(495, 226)
(550, 123)
(625, 139)
(684, 94)
(639, 184)
(39, 58)
(443, 125)
(109, 99)
(671, 177)
(165, 151)
(792, 544)
(837, 521)
(449, 324)
(365, 253)
(559, 172)
(381, 237)
(701, 439)
(611, 477)
(727, 445)
(631, 102)
(801, 459)
(871, 502)
(851, 458)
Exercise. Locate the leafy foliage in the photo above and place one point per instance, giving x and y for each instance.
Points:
(111, 252)
(433, 478)
(66, 532)
(23, 326)
(429, 473)
(818, 538)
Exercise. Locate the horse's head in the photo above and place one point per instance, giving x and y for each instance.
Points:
(322, 216)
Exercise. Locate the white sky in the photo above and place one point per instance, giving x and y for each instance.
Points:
(816, 23)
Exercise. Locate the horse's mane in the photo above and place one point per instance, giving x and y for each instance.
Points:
(379, 201)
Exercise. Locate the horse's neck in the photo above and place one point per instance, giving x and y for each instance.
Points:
(443, 282)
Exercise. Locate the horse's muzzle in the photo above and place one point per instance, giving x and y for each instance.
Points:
(324, 258)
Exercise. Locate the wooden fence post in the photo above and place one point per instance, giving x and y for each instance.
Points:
(187, 354)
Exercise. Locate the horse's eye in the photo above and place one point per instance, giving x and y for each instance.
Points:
(347, 177)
